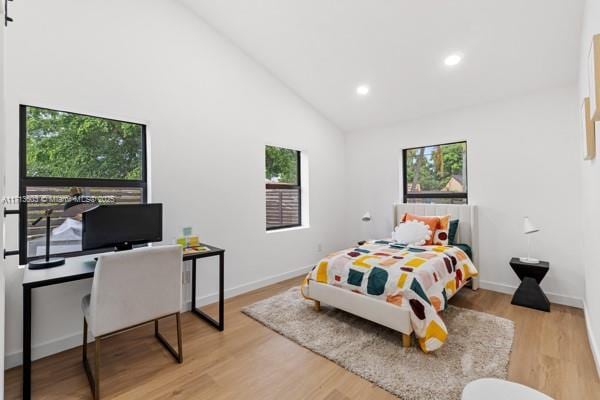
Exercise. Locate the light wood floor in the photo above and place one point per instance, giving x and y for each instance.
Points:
(248, 361)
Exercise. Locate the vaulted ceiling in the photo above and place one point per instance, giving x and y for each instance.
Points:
(324, 49)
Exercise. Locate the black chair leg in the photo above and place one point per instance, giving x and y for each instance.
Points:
(178, 355)
(94, 382)
(94, 378)
(84, 346)
(97, 363)
(179, 338)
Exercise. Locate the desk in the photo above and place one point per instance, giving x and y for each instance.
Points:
(83, 268)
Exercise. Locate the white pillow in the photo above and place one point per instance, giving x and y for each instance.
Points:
(412, 233)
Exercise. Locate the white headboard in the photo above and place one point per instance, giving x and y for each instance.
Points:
(465, 213)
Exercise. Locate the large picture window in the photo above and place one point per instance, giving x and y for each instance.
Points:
(436, 174)
(60, 150)
(283, 188)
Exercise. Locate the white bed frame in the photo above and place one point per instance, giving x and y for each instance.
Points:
(386, 314)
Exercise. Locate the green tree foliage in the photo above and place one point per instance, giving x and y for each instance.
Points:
(66, 145)
(431, 168)
(281, 165)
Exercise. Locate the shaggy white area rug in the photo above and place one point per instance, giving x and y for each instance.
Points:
(478, 346)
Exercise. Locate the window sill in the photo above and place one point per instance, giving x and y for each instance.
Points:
(294, 228)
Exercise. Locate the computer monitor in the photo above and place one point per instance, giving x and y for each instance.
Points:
(121, 226)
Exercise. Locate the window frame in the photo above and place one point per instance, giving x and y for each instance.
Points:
(435, 195)
(25, 181)
(297, 186)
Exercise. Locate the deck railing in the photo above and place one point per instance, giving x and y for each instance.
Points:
(283, 206)
(36, 209)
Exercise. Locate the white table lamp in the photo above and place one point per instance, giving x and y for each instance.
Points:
(528, 229)
(366, 218)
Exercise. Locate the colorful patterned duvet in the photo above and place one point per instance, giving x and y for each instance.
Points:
(420, 278)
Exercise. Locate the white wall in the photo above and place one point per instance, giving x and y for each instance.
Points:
(209, 109)
(591, 192)
(522, 160)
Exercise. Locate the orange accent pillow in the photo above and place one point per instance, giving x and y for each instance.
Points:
(432, 222)
(444, 222)
(440, 237)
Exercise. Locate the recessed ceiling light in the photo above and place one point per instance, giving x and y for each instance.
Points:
(363, 90)
(453, 59)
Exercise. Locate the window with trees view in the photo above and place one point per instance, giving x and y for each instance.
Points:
(61, 150)
(436, 174)
(283, 189)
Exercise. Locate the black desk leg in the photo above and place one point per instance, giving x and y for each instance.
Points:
(221, 291)
(220, 324)
(193, 284)
(26, 343)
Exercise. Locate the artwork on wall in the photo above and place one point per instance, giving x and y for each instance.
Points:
(594, 77)
(588, 131)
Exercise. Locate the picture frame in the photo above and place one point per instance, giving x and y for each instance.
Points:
(589, 128)
(594, 78)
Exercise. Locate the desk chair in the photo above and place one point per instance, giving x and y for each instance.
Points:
(130, 289)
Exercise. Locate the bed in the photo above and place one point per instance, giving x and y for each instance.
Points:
(400, 315)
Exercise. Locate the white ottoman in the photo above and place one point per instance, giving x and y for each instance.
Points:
(498, 389)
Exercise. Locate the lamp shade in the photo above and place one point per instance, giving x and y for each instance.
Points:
(78, 204)
(73, 208)
(366, 217)
(528, 227)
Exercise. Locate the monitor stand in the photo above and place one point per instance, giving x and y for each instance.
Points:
(123, 247)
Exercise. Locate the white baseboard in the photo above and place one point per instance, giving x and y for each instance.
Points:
(68, 342)
(248, 287)
(592, 339)
(45, 349)
(553, 297)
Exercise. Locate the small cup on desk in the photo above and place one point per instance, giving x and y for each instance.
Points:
(193, 241)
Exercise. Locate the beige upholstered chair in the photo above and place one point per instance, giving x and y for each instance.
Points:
(132, 288)
(499, 389)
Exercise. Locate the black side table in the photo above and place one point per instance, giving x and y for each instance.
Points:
(530, 294)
